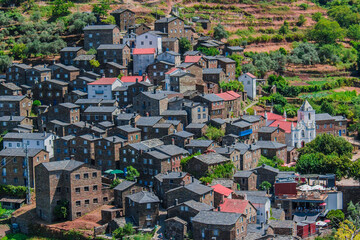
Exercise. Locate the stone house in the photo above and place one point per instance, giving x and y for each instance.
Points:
(244, 207)
(229, 67)
(172, 26)
(229, 50)
(215, 105)
(198, 129)
(220, 194)
(127, 119)
(150, 103)
(37, 74)
(157, 71)
(67, 54)
(199, 60)
(124, 189)
(175, 228)
(95, 35)
(126, 94)
(273, 149)
(128, 132)
(103, 88)
(219, 225)
(170, 56)
(107, 152)
(163, 182)
(170, 44)
(83, 62)
(16, 73)
(142, 57)
(85, 103)
(13, 165)
(182, 82)
(15, 105)
(211, 62)
(51, 92)
(64, 73)
(138, 29)
(124, 18)
(99, 114)
(256, 122)
(246, 180)
(81, 83)
(192, 191)
(193, 68)
(65, 112)
(231, 153)
(7, 123)
(274, 134)
(117, 53)
(266, 173)
(284, 227)
(232, 101)
(188, 210)
(335, 125)
(201, 146)
(201, 164)
(180, 139)
(75, 182)
(146, 124)
(180, 115)
(143, 208)
(113, 69)
(249, 155)
(214, 75)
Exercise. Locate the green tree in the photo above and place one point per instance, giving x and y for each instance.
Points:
(61, 210)
(220, 32)
(326, 31)
(284, 29)
(344, 15)
(335, 216)
(265, 186)
(354, 32)
(327, 107)
(209, 51)
(115, 182)
(94, 63)
(301, 20)
(79, 20)
(109, 20)
(317, 16)
(60, 8)
(214, 133)
(5, 62)
(101, 9)
(131, 173)
(304, 53)
(18, 50)
(121, 232)
(184, 45)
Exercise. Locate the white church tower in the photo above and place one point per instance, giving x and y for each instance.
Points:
(305, 130)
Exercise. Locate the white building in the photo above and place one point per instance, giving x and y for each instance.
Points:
(149, 40)
(143, 57)
(102, 88)
(262, 204)
(305, 130)
(30, 140)
(249, 82)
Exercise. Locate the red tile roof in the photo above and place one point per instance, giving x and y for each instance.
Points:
(234, 94)
(273, 116)
(139, 51)
(234, 205)
(286, 126)
(228, 96)
(250, 75)
(132, 78)
(192, 59)
(222, 190)
(171, 70)
(103, 81)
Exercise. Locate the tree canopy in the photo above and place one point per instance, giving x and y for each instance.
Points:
(220, 32)
(326, 31)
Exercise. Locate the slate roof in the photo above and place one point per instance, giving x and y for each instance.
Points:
(99, 27)
(69, 105)
(21, 65)
(276, 213)
(212, 158)
(212, 70)
(148, 121)
(66, 165)
(66, 67)
(166, 20)
(199, 206)
(323, 117)
(84, 57)
(174, 113)
(195, 125)
(254, 228)
(243, 174)
(242, 124)
(251, 118)
(120, 10)
(157, 95)
(111, 46)
(281, 224)
(158, 155)
(100, 109)
(183, 134)
(171, 150)
(38, 136)
(147, 144)
(216, 218)
(269, 145)
(199, 143)
(144, 197)
(257, 199)
(267, 129)
(235, 48)
(115, 139)
(11, 86)
(212, 97)
(11, 98)
(126, 116)
(11, 118)
(198, 188)
(114, 64)
(19, 152)
(70, 49)
(88, 101)
(129, 128)
(124, 185)
(306, 106)
(58, 82)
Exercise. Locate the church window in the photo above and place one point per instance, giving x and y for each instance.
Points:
(302, 133)
(309, 116)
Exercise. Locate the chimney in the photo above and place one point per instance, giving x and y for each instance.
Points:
(72, 157)
(262, 227)
(219, 209)
(136, 80)
(134, 114)
(11, 117)
(228, 149)
(179, 174)
(176, 202)
(172, 141)
(154, 90)
(279, 205)
(192, 179)
(114, 139)
(147, 114)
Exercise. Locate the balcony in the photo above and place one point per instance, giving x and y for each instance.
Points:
(245, 132)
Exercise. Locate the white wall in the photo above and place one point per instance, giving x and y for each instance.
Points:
(147, 40)
(141, 61)
(249, 85)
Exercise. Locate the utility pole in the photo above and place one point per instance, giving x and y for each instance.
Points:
(28, 195)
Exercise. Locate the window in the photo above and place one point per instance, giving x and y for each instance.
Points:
(94, 175)
(148, 206)
(86, 175)
(95, 200)
(77, 190)
(95, 188)
(216, 232)
(87, 202)
(78, 203)
(86, 189)
(15, 170)
(325, 125)
(77, 176)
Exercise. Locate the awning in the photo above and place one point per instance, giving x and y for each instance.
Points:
(117, 171)
(321, 223)
(322, 204)
(109, 171)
